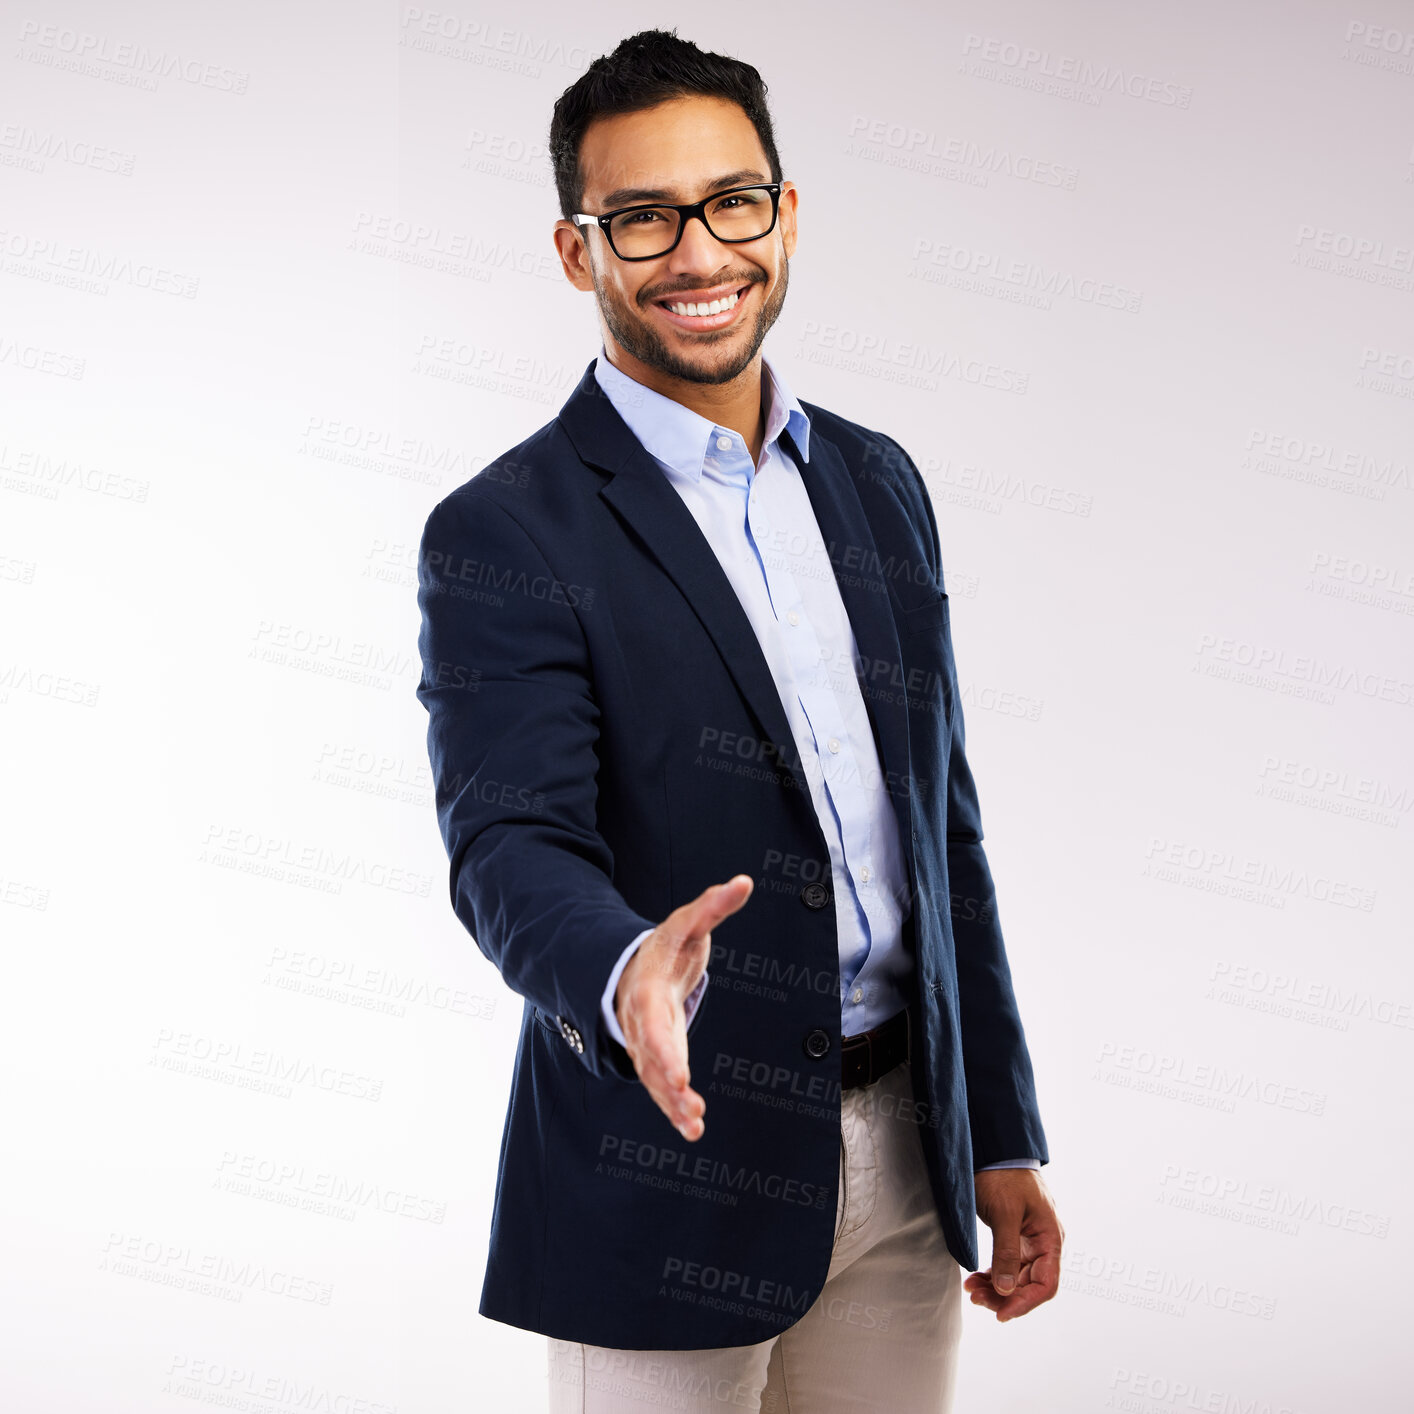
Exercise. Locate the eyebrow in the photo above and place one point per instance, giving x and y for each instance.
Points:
(627, 196)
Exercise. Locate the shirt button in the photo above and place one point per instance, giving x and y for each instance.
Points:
(724, 444)
(857, 995)
(834, 743)
(864, 878)
(793, 617)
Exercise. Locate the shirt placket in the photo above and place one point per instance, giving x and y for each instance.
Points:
(835, 758)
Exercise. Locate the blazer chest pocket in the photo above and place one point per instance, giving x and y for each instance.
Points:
(931, 617)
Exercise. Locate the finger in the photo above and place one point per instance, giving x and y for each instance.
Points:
(1027, 1295)
(988, 1299)
(659, 1064)
(662, 1032)
(1045, 1264)
(1045, 1271)
(983, 1293)
(682, 1105)
(684, 1109)
(1023, 1299)
(659, 1054)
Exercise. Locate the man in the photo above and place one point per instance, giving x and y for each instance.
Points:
(694, 725)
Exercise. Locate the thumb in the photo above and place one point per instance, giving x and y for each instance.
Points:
(1006, 1254)
(719, 901)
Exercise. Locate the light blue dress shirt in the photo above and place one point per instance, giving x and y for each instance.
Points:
(759, 521)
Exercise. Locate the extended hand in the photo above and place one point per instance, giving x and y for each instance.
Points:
(652, 989)
(1026, 1242)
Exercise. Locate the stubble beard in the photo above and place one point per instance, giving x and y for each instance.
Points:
(636, 335)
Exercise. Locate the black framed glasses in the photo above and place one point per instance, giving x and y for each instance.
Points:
(646, 232)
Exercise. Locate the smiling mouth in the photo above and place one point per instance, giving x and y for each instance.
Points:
(725, 307)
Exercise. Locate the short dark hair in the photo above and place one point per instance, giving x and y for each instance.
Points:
(646, 69)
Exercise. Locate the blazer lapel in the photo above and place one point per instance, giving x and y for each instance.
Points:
(644, 498)
(866, 594)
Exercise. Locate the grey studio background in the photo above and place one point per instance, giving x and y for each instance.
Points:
(1133, 284)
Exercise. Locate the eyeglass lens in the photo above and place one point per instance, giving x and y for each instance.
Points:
(733, 216)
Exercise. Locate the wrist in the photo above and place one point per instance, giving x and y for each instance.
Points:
(625, 980)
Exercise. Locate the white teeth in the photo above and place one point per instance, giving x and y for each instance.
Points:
(716, 307)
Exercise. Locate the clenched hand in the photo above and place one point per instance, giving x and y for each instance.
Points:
(1026, 1242)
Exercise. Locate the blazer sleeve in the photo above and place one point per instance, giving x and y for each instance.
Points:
(511, 734)
(1001, 1090)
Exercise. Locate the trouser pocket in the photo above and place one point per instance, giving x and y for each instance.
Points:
(843, 1206)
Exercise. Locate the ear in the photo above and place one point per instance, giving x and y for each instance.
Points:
(572, 246)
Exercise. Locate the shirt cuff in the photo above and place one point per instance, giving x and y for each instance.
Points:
(1011, 1164)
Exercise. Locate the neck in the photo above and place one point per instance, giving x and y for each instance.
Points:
(738, 405)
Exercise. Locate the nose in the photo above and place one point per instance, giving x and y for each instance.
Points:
(698, 244)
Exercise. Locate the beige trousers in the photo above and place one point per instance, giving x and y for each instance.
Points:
(882, 1335)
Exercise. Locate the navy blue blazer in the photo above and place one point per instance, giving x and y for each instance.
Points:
(606, 741)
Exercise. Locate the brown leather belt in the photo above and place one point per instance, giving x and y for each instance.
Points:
(872, 1054)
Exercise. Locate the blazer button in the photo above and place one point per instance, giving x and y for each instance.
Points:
(815, 896)
(817, 1043)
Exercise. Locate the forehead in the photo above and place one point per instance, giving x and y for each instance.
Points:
(679, 150)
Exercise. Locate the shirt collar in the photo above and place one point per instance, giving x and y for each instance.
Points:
(679, 437)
